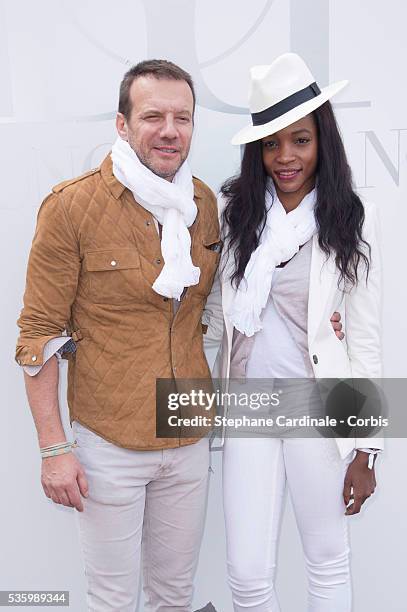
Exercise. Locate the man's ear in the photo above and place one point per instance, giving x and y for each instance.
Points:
(121, 126)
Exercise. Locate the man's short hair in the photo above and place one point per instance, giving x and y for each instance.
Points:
(159, 69)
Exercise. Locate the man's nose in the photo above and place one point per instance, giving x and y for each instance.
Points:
(169, 129)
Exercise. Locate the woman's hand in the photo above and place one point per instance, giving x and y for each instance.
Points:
(337, 325)
(360, 483)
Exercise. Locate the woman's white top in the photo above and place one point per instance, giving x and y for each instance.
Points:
(280, 348)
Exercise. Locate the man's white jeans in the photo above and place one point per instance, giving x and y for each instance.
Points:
(150, 499)
(255, 472)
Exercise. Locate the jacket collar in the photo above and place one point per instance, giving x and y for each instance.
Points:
(106, 170)
(116, 188)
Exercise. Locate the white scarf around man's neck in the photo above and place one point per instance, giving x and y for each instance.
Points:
(281, 239)
(172, 204)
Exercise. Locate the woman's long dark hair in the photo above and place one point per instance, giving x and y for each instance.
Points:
(339, 211)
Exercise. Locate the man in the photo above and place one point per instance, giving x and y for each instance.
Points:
(115, 253)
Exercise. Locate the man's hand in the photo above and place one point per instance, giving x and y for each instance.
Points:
(62, 476)
(360, 483)
(337, 325)
(63, 480)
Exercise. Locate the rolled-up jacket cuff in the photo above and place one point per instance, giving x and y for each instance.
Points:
(37, 352)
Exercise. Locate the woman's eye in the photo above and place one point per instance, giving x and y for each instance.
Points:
(270, 144)
(303, 140)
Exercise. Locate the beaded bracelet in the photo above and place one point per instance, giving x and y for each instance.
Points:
(57, 449)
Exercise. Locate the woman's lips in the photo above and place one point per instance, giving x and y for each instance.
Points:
(287, 175)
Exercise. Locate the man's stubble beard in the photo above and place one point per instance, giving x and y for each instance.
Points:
(145, 161)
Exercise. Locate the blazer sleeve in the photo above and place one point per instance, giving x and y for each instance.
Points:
(51, 282)
(363, 308)
(212, 318)
(363, 313)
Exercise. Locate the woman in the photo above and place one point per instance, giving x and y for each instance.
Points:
(299, 245)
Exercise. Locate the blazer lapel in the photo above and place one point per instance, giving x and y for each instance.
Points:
(323, 274)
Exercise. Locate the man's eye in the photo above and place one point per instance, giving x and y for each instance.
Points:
(183, 119)
(151, 117)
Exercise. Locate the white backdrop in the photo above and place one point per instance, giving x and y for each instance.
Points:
(60, 68)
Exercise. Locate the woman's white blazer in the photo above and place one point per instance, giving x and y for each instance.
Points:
(357, 356)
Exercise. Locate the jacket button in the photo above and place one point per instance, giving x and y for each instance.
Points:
(148, 223)
(158, 261)
(34, 358)
(315, 359)
(113, 263)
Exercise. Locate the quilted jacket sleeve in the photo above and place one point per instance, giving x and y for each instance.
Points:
(51, 283)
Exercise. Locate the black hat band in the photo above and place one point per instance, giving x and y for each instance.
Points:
(284, 106)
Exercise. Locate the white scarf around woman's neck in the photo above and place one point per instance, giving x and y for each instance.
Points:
(172, 204)
(281, 239)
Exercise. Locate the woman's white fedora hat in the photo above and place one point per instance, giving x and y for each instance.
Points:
(280, 94)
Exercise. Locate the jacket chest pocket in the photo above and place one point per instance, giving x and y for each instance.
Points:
(209, 256)
(113, 275)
